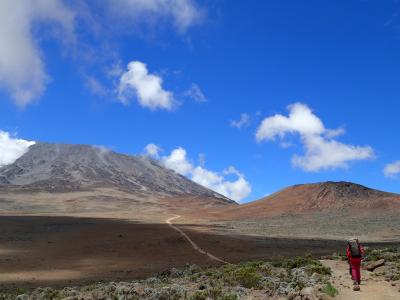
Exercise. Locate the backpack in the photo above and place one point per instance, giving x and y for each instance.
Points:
(354, 247)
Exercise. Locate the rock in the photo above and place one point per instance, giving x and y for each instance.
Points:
(175, 273)
(372, 266)
(308, 293)
(22, 297)
(241, 291)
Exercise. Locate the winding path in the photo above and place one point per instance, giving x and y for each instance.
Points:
(194, 245)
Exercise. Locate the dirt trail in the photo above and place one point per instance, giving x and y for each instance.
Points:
(194, 245)
(371, 288)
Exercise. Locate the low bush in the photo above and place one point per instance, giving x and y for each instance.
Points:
(246, 275)
(310, 264)
(330, 290)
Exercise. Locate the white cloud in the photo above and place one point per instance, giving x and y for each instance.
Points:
(147, 88)
(11, 148)
(22, 70)
(242, 122)
(195, 93)
(392, 170)
(322, 151)
(184, 13)
(300, 120)
(152, 150)
(178, 162)
(237, 189)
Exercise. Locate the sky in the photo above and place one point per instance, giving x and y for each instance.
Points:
(244, 97)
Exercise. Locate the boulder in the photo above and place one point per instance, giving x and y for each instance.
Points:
(373, 265)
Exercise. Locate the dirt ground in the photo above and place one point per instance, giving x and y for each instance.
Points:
(371, 288)
(52, 251)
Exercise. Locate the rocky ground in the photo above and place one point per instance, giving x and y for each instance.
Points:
(297, 278)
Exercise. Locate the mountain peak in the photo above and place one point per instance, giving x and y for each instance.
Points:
(65, 167)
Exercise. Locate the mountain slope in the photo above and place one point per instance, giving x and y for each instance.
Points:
(91, 181)
(328, 210)
(61, 167)
(309, 198)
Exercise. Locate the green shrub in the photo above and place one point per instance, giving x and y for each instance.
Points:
(215, 294)
(319, 269)
(248, 277)
(298, 262)
(199, 295)
(310, 264)
(330, 290)
(245, 275)
(373, 255)
(229, 296)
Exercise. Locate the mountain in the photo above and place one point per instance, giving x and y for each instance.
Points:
(309, 198)
(59, 178)
(327, 210)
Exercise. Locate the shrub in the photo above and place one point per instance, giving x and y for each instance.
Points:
(199, 295)
(215, 294)
(330, 290)
(310, 264)
(298, 262)
(245, 276)
(319, 269)
(229, 296)
(248, 277)
(50, 294)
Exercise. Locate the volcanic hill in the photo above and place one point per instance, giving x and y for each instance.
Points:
(309, 198)
(334, 210)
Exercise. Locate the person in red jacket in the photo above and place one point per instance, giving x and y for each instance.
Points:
(355, 254)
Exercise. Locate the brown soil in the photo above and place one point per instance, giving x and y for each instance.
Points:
(37, 251)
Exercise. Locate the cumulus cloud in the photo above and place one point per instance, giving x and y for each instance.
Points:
(178, 161)
(152, 150)
(145, 86)
(22, 70)
(195, 93)
(392, 170)
(242, 122)
(183, 13)
(237, 189)
(12, 148)
(322, 151)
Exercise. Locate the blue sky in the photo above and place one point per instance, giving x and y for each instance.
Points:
(199, 65)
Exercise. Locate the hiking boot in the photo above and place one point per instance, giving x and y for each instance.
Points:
(356, 288)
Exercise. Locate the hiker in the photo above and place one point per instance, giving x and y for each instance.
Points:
(355, 254)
